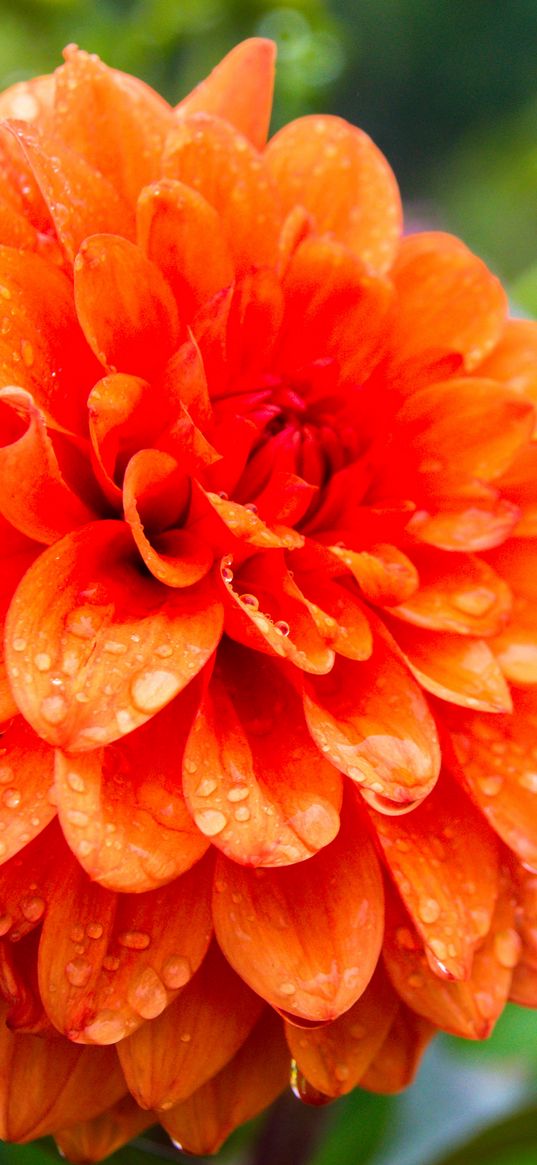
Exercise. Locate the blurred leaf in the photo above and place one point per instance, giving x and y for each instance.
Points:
(523, 290)
(510, 1142)
(355, 1130)
(514, 1037)
(36, 1154)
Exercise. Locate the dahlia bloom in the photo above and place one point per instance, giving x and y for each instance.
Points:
(268, 509)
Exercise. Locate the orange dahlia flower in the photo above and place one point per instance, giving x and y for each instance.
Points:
(268, 509)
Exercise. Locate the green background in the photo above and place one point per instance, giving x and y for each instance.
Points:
(448, 89)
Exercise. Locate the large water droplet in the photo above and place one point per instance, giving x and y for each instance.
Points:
(507, 947)
(210, 822)
(54, 709)
(176, 972)
(250, 601)
(134, 940)
(75, 782)
(428, 910)
(151, 690)
(107, 1028)
(147, 994)
(33, 908)
(78, 972)
(12, 798)
(305, 1091)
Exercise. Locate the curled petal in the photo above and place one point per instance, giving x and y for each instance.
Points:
(253, 1079)
(165, 1061)
(239, 89)
(124, 305)
(372, 722)
(333, 1058)
(244, 785)
(351, 636)
(336, 172)
(122, 808)
(92, 1140)
(384, 574)
(444, 861)
(108, 962)
(155, 487)
(101, 670)
(306, 938)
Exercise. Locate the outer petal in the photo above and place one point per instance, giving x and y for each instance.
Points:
(444, 861)
(101, 637)
(239, 89)
(470, 1008)
(459, 593)
(264, 798)
(336, 172)
(334, 1058)
(306, 939)
(524, 984)
(468, 525)
(107, 963)
(92, 1140)
(125, 306)
(372, 722)
(455, 668)
(26, 773)
(384, 574)
(18, 554)
(254, 1078)
(514, 359)
(209, 155)
(165, 1061)
(122, 809)
(43, 1081)
(28, 883)
(397, 1062)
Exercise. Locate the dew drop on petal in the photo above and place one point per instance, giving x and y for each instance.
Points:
(287, 988)
(210, 822)
(12, 798)
(134, 940)
(75, 782)
(54, 709)
(151, 690)
(242, 813)
(490, 786)
(238, 793)
(303, 1090)
(282, 627)
(428, 910)
(110, 962)
(33, 908)
(19, 644)
(6, 774)
(147, 994)
(78, 972)
(507, 947)
(94, 930)
(77, 817)
(250, 601)
(42, 661)
(107, 1028)
(176, 972)
(206, 787)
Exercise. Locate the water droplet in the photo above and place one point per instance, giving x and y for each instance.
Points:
(151, 690)
(78, 972)
(114, 648)
(507, 947)
(282, 627)
(134, 940)
(27, 353)
(238, 793)
(227, 574)
(147, 994)
(54, 709)
(19, 644)
(5, 292)
(210, 822)
(206, 787)
(428, 910)
(438, 948)
(42, 661)
(77, 933)
(287, 988)
(251, 507)
(528, 781)
(75, 782)
(250, 601)
(110, 962)
(402, 845)
(77, 817)
(303, 1090)
(12, 798)
(341, 1073)
(164, 651)
(84, 622)
(242, 813)
(176, 972)
(190, 766)
(485, 1003)
(185, 1037)
(6, 774)
(490, 786)
(33, 908)
(476, 601)
(94, 930)
(107, 1028)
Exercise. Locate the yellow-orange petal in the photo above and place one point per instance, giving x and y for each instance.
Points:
(336, 172)
(447, 301)
(454, 667)
(42, 1082)
(319, 963)
(34, 495)
(263, 799)
(334, 1058)
(174, 222)
(444, 861)
(165, 1061)
(125, 307)
(107, 963)
(467, 1008)
(372, 722)
(216, 160)
(102, 636)
(496, 758)
(81, 200)
(122, 808)
(92, 1140)
(239, 89)
(467, 525)
(458, 593)
(397, 1062)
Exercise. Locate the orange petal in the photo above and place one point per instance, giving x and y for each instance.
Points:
(457, 592)
(524, 984)
(239, 89)
(29, 881)
(34, 495)
(26, 774)
(372, 722)
(217, 161)
(334, 1058)
(124, 305)
(81, 201)
(444, 861)
(165, 1061)
(514, 359)
(497, 762)
(108, 962)
(121, 420)
(469, 1008)
(447, 300)
(174, 223)
(250, 1082)
(130, 794)
(44, 1080)
(397, 1062)
(19, 988)
(351, 636)
(336, 172)
(101, 635)
(384, 574)
(243, 784)
(92, 1140)
(305, 937)
(42, 348)
(454, 667)
(18, 554)
(118, 127)
(28, 99)
(469, 526)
